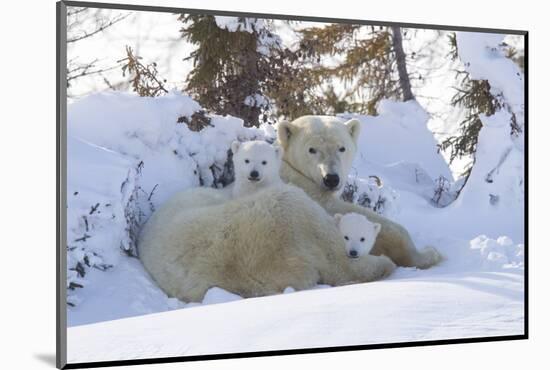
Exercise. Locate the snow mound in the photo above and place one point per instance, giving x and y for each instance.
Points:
(98, 228)
(219, 295)
(399, 132)
(495, 188)
(144, 129)
(501, 252)
(397, 149)
(484, 59)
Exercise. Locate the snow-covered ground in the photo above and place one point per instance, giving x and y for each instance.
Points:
(128, 154)
(410, 306)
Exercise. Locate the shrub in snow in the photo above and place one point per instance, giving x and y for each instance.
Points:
(370, 193)
(444, 193)
(101, 211)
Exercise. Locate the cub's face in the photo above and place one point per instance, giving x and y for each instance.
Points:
(321, 148)
(256, 161)
(358, 232)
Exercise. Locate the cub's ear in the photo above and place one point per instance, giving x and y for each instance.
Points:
(337, 217)
(235, 146)
(354, 128)
(377, 227)
(284, 131)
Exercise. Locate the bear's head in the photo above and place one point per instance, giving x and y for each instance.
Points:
(358, 232)
(256, 161)
(322, 148)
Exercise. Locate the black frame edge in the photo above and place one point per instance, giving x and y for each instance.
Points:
(526, 184)
(61, 215)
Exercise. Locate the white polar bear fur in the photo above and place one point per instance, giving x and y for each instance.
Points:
(358, 232)
(327, 136)
(251, 246)
(258, 156)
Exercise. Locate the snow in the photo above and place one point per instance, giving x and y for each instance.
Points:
(144, 131)
(484, 59)
(234, 24)
(266, 40)
(496, 183)
(401, 309)
(130, 152)
(411, 141)
(256, 100)
(95, 211)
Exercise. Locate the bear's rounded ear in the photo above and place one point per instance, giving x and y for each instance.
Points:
(235, 146)
(284, 131)
(337, 217)
(377, 227)
(354, 128)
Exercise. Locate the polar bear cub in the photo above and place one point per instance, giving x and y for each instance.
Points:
(359, 233)
(256, 165)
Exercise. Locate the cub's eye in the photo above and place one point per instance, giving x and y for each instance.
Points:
(345, 237)
(362, 239)
(342, 149)
(264, 162)
(246, 161)
(312, 150)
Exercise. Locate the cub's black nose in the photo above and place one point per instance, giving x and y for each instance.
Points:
(254, 174)
(353, 253)
(331, 180)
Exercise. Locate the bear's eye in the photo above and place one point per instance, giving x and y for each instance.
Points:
(264, 162)
(312, 150)
(246, 161)
(342, 149)
(362, 239)
(346, 237)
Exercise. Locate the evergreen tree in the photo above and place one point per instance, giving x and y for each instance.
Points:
(372, 67)
(231, 66)
(476, 98)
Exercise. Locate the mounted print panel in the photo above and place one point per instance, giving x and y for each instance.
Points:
(236, 185)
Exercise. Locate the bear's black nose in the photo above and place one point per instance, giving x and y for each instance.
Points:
(353, 253)
(254, 174)
(331, 180)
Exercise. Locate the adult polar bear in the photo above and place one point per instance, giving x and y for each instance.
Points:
(277, 237)
(318, 154)
(252, 246)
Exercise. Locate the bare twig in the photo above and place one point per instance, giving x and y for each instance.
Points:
(101, 27)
